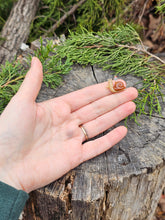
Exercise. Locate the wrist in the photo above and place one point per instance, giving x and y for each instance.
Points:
(6, 178)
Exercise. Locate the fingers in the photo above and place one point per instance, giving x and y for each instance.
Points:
(94, 148)
(86, 95)
(104, 105)
(33, 80)
(109, 119)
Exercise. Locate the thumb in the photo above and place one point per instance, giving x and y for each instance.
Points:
(33, 80)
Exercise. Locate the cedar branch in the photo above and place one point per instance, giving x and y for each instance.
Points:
(131, 48)
(12, 81)
(64, 17)
(141, 50)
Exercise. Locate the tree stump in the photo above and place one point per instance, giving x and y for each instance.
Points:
(124, 183)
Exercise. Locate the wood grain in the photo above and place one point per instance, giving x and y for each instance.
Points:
(124, 183)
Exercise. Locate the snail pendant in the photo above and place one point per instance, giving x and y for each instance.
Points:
(117, 85)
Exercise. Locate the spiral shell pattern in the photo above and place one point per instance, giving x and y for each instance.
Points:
(119, 85)
(116, 86)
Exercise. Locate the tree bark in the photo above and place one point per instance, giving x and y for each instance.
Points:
(16, 29)
(124, 183)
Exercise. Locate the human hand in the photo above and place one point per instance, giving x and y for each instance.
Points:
(40, 142)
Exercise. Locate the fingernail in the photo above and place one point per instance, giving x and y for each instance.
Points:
(33, 61)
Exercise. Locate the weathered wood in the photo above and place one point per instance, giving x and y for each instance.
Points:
(17, 27)
(124, 183)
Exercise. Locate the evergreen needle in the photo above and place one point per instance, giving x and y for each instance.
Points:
(120, 50)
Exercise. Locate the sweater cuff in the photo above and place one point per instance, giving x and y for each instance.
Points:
(12, 202)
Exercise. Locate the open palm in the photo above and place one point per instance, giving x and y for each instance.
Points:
(39, 142)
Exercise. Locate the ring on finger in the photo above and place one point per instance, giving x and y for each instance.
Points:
(84, 132)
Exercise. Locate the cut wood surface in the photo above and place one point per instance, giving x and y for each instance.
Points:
(17, 28)
(124, 183)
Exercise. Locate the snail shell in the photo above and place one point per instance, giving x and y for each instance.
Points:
(116, 86)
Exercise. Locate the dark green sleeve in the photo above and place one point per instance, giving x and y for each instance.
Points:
(12, 202)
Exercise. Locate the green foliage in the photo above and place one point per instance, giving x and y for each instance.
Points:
(94, 15)
(53, 66)
(161, 8)
(120, 50)
(5, 7)
(12, 74)
(115, 50)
